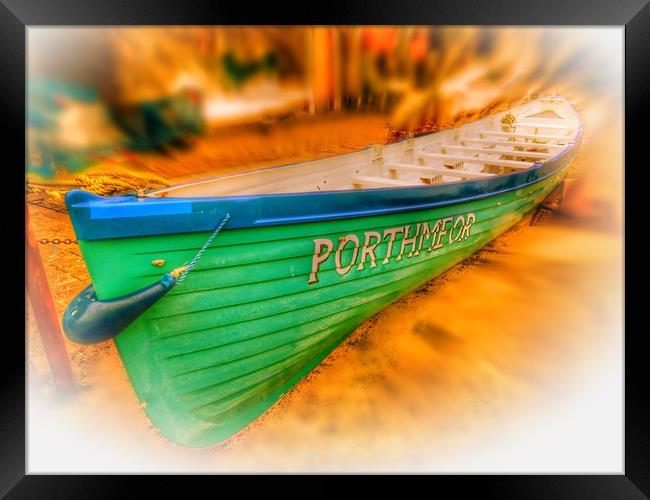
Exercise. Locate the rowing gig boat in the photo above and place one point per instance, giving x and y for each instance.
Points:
(222, 294)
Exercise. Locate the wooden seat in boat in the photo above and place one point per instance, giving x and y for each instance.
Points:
(496, 142)
(424, 170)
(487, 161)
(362, 180)
(543, 125)
(524, 136)
(509, 152)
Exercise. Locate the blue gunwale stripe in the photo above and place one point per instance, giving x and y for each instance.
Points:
(97, 218)
(105, 211)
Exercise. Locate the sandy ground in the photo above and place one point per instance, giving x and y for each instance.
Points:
(437, 381)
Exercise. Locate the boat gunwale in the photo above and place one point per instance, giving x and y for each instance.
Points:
(99, 218)
(153, 193)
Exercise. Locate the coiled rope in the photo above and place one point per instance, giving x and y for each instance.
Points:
(184, 270)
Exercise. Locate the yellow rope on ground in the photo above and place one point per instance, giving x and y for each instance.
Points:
(112, 180)
(105, 180)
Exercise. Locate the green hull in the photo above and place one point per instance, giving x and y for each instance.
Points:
(246, 326)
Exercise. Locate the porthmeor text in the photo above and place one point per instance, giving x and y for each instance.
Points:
(416, 238)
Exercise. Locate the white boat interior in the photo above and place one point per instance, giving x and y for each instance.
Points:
(513, 140)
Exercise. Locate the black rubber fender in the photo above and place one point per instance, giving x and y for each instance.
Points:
(89, 321)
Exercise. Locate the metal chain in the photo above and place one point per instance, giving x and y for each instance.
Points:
(56, 241)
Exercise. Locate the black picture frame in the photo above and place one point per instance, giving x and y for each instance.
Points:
(17, 15)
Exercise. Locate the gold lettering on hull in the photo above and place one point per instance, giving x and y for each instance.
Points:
(416, 238)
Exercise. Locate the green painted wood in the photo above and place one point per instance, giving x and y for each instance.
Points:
(245, 326)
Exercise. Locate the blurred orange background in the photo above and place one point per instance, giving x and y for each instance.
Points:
(117, 95)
